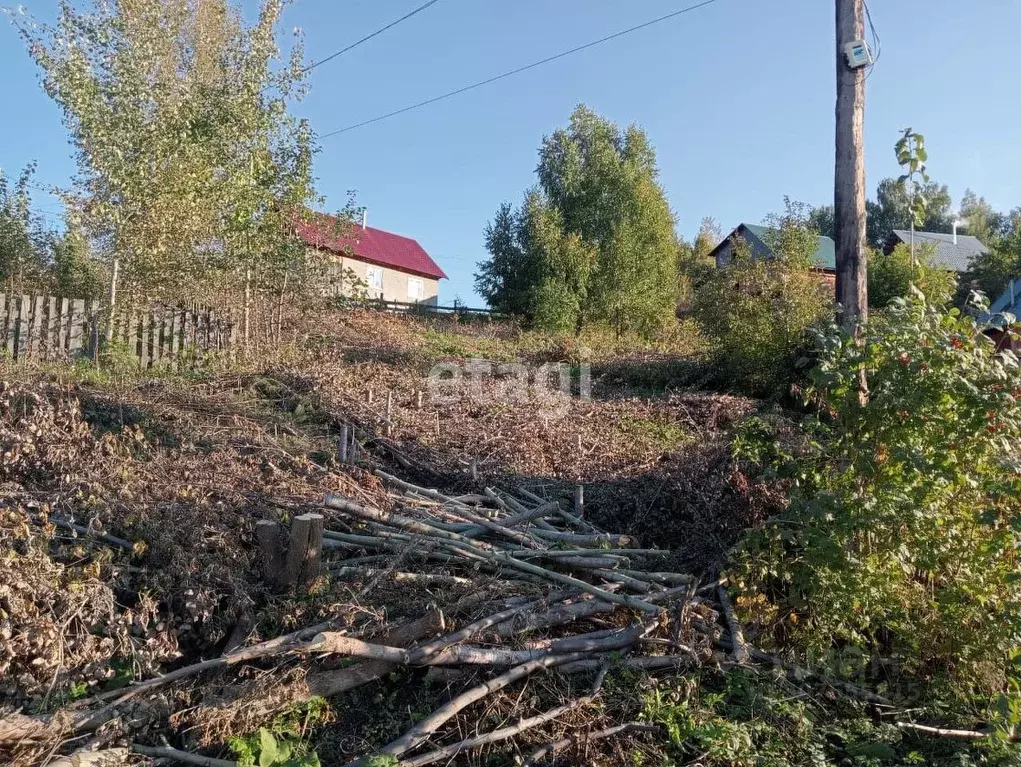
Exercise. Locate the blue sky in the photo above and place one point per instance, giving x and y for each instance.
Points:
(737, 98)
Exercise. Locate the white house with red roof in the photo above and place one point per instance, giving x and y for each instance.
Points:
(394, 268)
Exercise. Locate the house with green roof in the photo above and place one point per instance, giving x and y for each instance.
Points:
(757, 238)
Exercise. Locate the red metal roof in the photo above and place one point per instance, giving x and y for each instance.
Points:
(369, 244)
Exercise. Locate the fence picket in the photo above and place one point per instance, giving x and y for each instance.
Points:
(50, 335)
(143, 340)
(35, 329)
(93, 320)
(185, 331)
(64, 328)
(76, 327)
(24, 315)
(52, 329)
(3, 321)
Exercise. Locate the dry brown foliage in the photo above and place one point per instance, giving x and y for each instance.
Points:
(182, 468)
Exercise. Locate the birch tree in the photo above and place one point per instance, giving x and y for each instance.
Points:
(190, 166)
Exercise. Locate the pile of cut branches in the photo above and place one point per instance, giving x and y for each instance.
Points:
(474, 595)
(559, 594)
(513, 586)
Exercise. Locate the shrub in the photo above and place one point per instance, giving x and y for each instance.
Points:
(755, 314)
(892, 274)
(904, 517)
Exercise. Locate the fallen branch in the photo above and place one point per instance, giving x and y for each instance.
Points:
(277, 646)
(334, 643)
(740, 648)
(108, 757)
(438, 579)
(418, 734)
(109, 540)
(186, 757)
(940, 732)
(588, 737)
(329, 683)
(396, 520)
(517, 564)
(505, 733)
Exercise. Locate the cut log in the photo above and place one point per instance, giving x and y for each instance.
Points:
(304, 548)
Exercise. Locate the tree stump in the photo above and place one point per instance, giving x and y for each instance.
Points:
(271, 550)
(304, 549)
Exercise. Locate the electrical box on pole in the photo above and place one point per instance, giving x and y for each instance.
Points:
(858, 54)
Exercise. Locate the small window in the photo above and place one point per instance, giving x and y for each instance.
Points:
(375, 279)
(416, 289)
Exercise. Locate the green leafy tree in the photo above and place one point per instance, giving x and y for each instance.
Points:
(694, 263)
(822, 220)
(892, 209)
(507, 278)
(892, 274)
(595, 241)
(74, 273)
(190, 168)
(993, 270)
(22, 252)
(979, 217)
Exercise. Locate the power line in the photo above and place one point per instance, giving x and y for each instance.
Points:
(365, 39)
(878, 43)
(517, 71)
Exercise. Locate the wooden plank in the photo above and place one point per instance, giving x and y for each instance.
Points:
(156, 337)
(64, 327)
(94, 321)
(127, 327)
(173, 339)
(77, 328)
(164, 335)
(24, 316)
(51, 333)
(185, 333)
(35, 329)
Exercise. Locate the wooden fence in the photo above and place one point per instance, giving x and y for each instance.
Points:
(51, 329)
(402, 307)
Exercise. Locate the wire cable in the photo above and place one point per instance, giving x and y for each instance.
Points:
(519, 70)
(878, 42)
(365, 39)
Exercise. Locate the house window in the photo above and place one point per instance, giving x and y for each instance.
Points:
(416, 289)
(375, 280)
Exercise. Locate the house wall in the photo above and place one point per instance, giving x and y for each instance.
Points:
(395, 282)
(726, 251)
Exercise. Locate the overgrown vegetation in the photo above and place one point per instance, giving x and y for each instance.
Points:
(900, 533)
(756, 312)
(891, 275)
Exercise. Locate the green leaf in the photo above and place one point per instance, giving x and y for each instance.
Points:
(268, 752)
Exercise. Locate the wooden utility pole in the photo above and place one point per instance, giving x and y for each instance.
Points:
(849, 183)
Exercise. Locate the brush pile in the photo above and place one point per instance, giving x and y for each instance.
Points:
(566, 596)
(476, 593)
